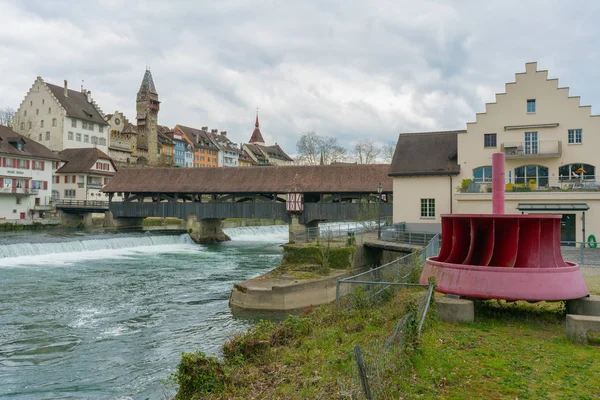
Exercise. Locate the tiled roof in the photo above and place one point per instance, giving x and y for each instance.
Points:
(81, 160)
(76, 104)
(256, 135)
(276, 152)
(426, 153)
(30, 147)
(272, 179)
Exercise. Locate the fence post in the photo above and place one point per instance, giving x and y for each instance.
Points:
(337, 295)
(364, 382)
(581, 255)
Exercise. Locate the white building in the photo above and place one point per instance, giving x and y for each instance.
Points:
(551, 147)
(60, 118)
(25, 177)
(82, 173)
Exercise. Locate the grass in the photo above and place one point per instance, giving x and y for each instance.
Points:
(156, 221)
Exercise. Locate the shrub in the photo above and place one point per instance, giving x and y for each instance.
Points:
(251, 344)
(198, 375)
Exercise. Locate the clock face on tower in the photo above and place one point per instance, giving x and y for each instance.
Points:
(117, 121)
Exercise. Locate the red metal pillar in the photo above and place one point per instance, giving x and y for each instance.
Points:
(498, 182)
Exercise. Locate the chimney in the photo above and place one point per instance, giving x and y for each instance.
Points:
(89, 96)
(214, 131)
(66, 89)
(224, 133)
(205, 128)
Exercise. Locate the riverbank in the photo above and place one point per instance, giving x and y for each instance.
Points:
(513, 350)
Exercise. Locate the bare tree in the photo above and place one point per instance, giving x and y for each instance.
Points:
(312, 149)
(366, 152)
(7, 116)
(387, 152)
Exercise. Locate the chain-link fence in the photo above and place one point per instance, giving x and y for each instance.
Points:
(381, 282)
(585, 254)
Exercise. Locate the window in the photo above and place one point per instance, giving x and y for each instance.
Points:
(101, 128)
(78, 137)
(41, 123)
(95, 139)
(22, 126)
(531, 143)
(49, 108)
(575, 136)
(531, 106)
(40, 138)
(70, 135)
(37, 111)
(25, 113)
(43, 101)
(427, 208)
(102, 141)
(30, 124)
(489, 140)
(47, 135)
(578, 172)
(526, 173)
(73, 123)
(53, 121)
(86, 138)
(30, 102)
(69, 193)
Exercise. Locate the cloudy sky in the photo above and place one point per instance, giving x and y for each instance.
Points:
(349, 69)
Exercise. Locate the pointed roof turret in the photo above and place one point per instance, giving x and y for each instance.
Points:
(147, 85)
(256, 135)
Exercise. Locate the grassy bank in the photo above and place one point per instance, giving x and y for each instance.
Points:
(156, 221)
(9, 226)
(513, 350)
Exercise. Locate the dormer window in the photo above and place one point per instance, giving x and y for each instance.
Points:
(531, 106)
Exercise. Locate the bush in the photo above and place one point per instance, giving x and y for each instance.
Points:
(198, 375)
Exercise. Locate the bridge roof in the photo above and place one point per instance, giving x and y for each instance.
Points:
(268, 179)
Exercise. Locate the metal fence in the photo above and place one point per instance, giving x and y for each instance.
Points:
(334, 230)
(377, 283)
(581, 253)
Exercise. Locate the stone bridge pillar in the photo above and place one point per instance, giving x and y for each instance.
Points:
(300, 232)
(206, 230)
(76, 220)
(111, 222)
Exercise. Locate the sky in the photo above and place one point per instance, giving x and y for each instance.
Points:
(353, 70)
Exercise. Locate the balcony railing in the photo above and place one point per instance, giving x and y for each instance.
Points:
(541, 148)
(24, 191)
(538, 184)
(65, 203)
(92, 185)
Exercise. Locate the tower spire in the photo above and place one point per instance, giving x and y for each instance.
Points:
(256, 137)
(256, 124)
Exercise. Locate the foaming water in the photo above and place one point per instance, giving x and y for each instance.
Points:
(274, 233)
(106, 316)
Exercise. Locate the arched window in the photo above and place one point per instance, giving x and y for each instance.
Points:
(482, 174)
(577, 172)
(526, 173)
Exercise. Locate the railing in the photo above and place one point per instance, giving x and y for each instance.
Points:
(537, 184)
(398, 233)
(11, 190)
(91, 185)
(341, 229)
(538, 148)
(88, 204)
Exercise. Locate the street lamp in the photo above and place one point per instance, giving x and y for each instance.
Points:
(379, 190)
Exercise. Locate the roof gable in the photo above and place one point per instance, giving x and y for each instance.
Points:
(76, 104)
(30, 148)
(82, 160)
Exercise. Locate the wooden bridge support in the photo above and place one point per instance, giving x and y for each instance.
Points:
(205, 231)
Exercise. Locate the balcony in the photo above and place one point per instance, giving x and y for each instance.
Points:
(538, 185)
(92, 185)
(534, 149)
(10, 190)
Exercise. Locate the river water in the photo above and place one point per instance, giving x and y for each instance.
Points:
(106, 316)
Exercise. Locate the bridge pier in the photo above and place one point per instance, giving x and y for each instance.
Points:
(205, 231)
(309, 230)
(76, 220)
(111, 222)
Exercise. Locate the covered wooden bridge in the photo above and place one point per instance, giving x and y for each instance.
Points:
(299, 195)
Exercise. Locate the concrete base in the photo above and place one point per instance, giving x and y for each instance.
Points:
(285, 292)
(585, 306)
(111, 222)
(206, 231)
(579, 326)
(455, 310)
(76, 220)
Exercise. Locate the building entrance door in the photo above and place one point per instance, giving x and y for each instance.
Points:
(567, 230)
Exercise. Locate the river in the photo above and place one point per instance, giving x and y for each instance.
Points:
(106, 316)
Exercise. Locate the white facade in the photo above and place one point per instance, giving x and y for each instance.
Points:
(42, 118)
(25, 187)
(551, 147)
(84, 185)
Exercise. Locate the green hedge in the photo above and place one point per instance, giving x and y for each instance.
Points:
(339, 257)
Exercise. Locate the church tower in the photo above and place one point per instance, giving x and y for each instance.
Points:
(147, 121)
(257, 137)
